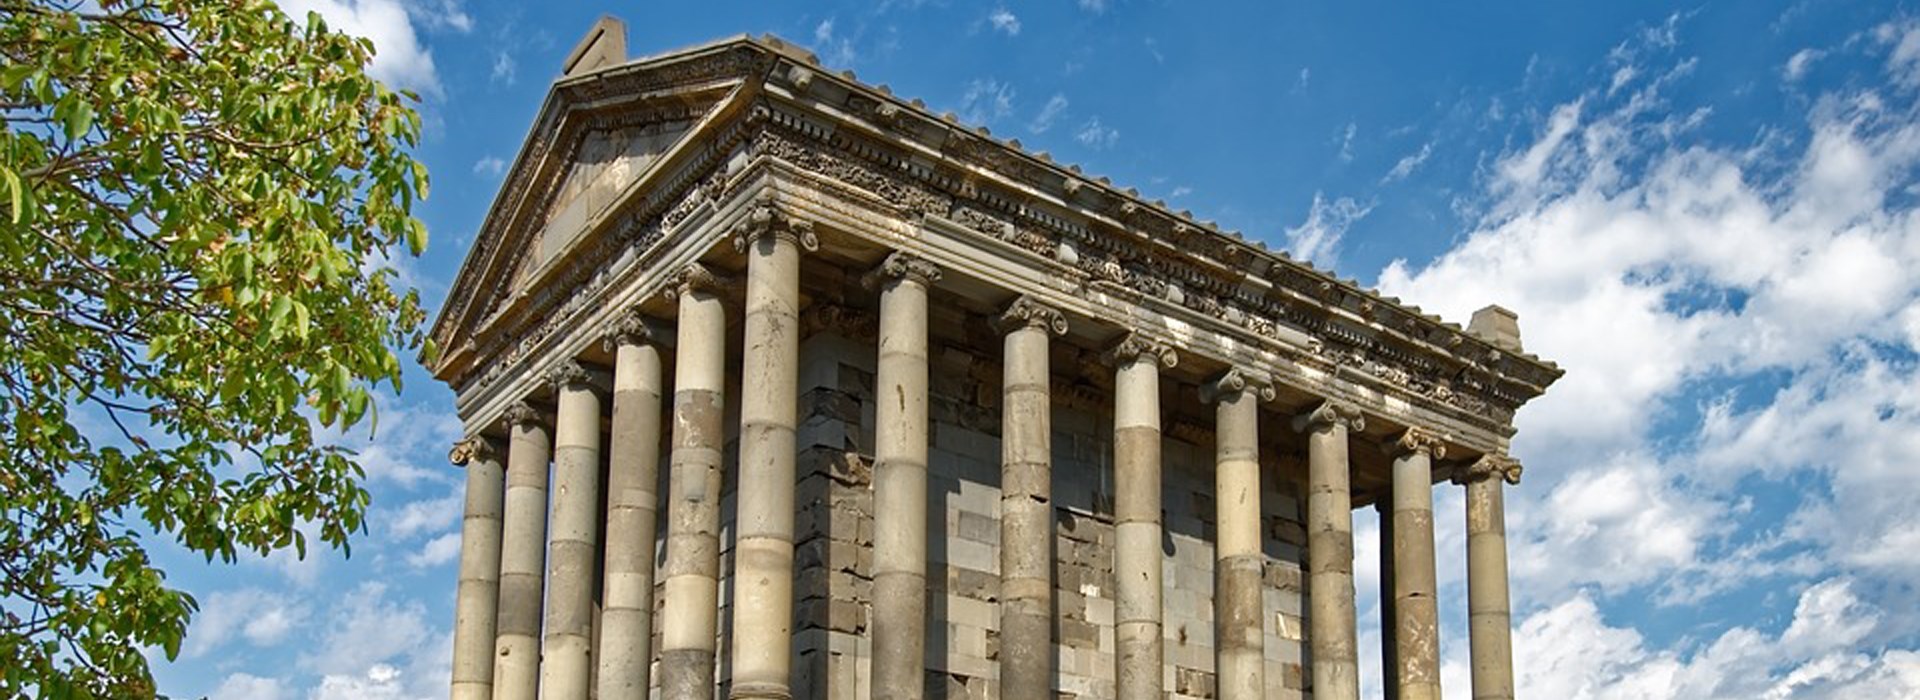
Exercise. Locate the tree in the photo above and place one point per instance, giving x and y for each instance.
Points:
(199, 199)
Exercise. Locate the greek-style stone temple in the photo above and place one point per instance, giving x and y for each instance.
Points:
(777, 385)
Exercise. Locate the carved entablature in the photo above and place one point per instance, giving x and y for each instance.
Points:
(758, 109)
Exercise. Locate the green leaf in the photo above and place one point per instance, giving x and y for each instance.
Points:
(79, 120)
(13, 191)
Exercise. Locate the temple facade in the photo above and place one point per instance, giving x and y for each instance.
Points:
(779, 386)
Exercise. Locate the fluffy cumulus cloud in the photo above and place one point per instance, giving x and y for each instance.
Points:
(1317, 240)
(1734, 321)
(401, 55)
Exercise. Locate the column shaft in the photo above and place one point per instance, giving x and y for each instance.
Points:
(476, 603)
(1026, 504)
(566, 664)
(689, 622)
(633, 473)
(1416, 613)
(1331, 626)
(1137, 563)
(1240, 635)
(900, 483)
(762, 638)
(523, 557)
(1489, 618)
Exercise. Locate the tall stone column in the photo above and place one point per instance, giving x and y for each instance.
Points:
(566, 663)
(689, 622)
(1136, 512)
(762, 638)
(1490, 624)
(900, 480)
(523, 556)
(1416, 629)
(475, 605)
(1239, 621)
(633, 471)
(1389, 648)
(1331, 627)
(1026, 502)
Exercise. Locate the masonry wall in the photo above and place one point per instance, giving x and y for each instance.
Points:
(834, 537)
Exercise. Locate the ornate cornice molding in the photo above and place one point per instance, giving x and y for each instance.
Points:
(1328, 415)
(1234, 382)
(1417, 440)
(902, 267)
(1136, 347)
(1491, 466)
(766, 219)
(473, 448)
(1026, 312)
(629, 328)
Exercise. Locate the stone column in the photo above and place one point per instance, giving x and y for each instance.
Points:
(1490, 626)
(1136, 513)
(566, 662)
(689, 622)
(1239, 643)
(633, 471)
(1026, 502)
(523, 557)
(1416, 626)
(475, 611)
(1389, 648)
(1331, 628)
(900, 480)
(762, 638)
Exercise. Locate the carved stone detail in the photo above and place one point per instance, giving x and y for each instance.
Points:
(472, 448)
(1491, 466)
(1329, 414)
(695, 277)
(629, 328)
(1026, 312)
(1135, 346)
(1418, 440)
(766, 219)
(523, 413)
(902, 266)
(569, 374)
(850, 323)
(1235, 381)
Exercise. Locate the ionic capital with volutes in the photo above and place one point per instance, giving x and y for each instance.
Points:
(766, 219)
(1330, 414)
(573, 374)
(693, 278)
(523, 413)
(628, 328)
(1416, 440)
(901, 266)
(472, 448)
(1491, 466)
(1136, 347)
(1025, 312)
(1237, 380)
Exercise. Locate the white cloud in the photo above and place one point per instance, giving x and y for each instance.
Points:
(504, 68)
(489, 165)
(426, 516)
(1094, 6)
(261, 617)
(1317, 240)
(1903, 57)
(1569, 651)
(834, 49)
(1346, 141)
(1406, 166)
(400, 57)
(1056, 106)
(242, 686)
(437, 551)
(985, 101)
(1004, 21)
(1095, 135)
(1799, 63)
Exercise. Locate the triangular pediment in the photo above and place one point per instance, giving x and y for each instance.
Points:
(599, 140)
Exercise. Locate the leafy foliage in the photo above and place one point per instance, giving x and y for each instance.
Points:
(198, 201)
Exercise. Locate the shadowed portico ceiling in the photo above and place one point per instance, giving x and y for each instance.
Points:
(618, 156)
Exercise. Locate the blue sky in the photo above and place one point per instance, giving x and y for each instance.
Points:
(1707, 214)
